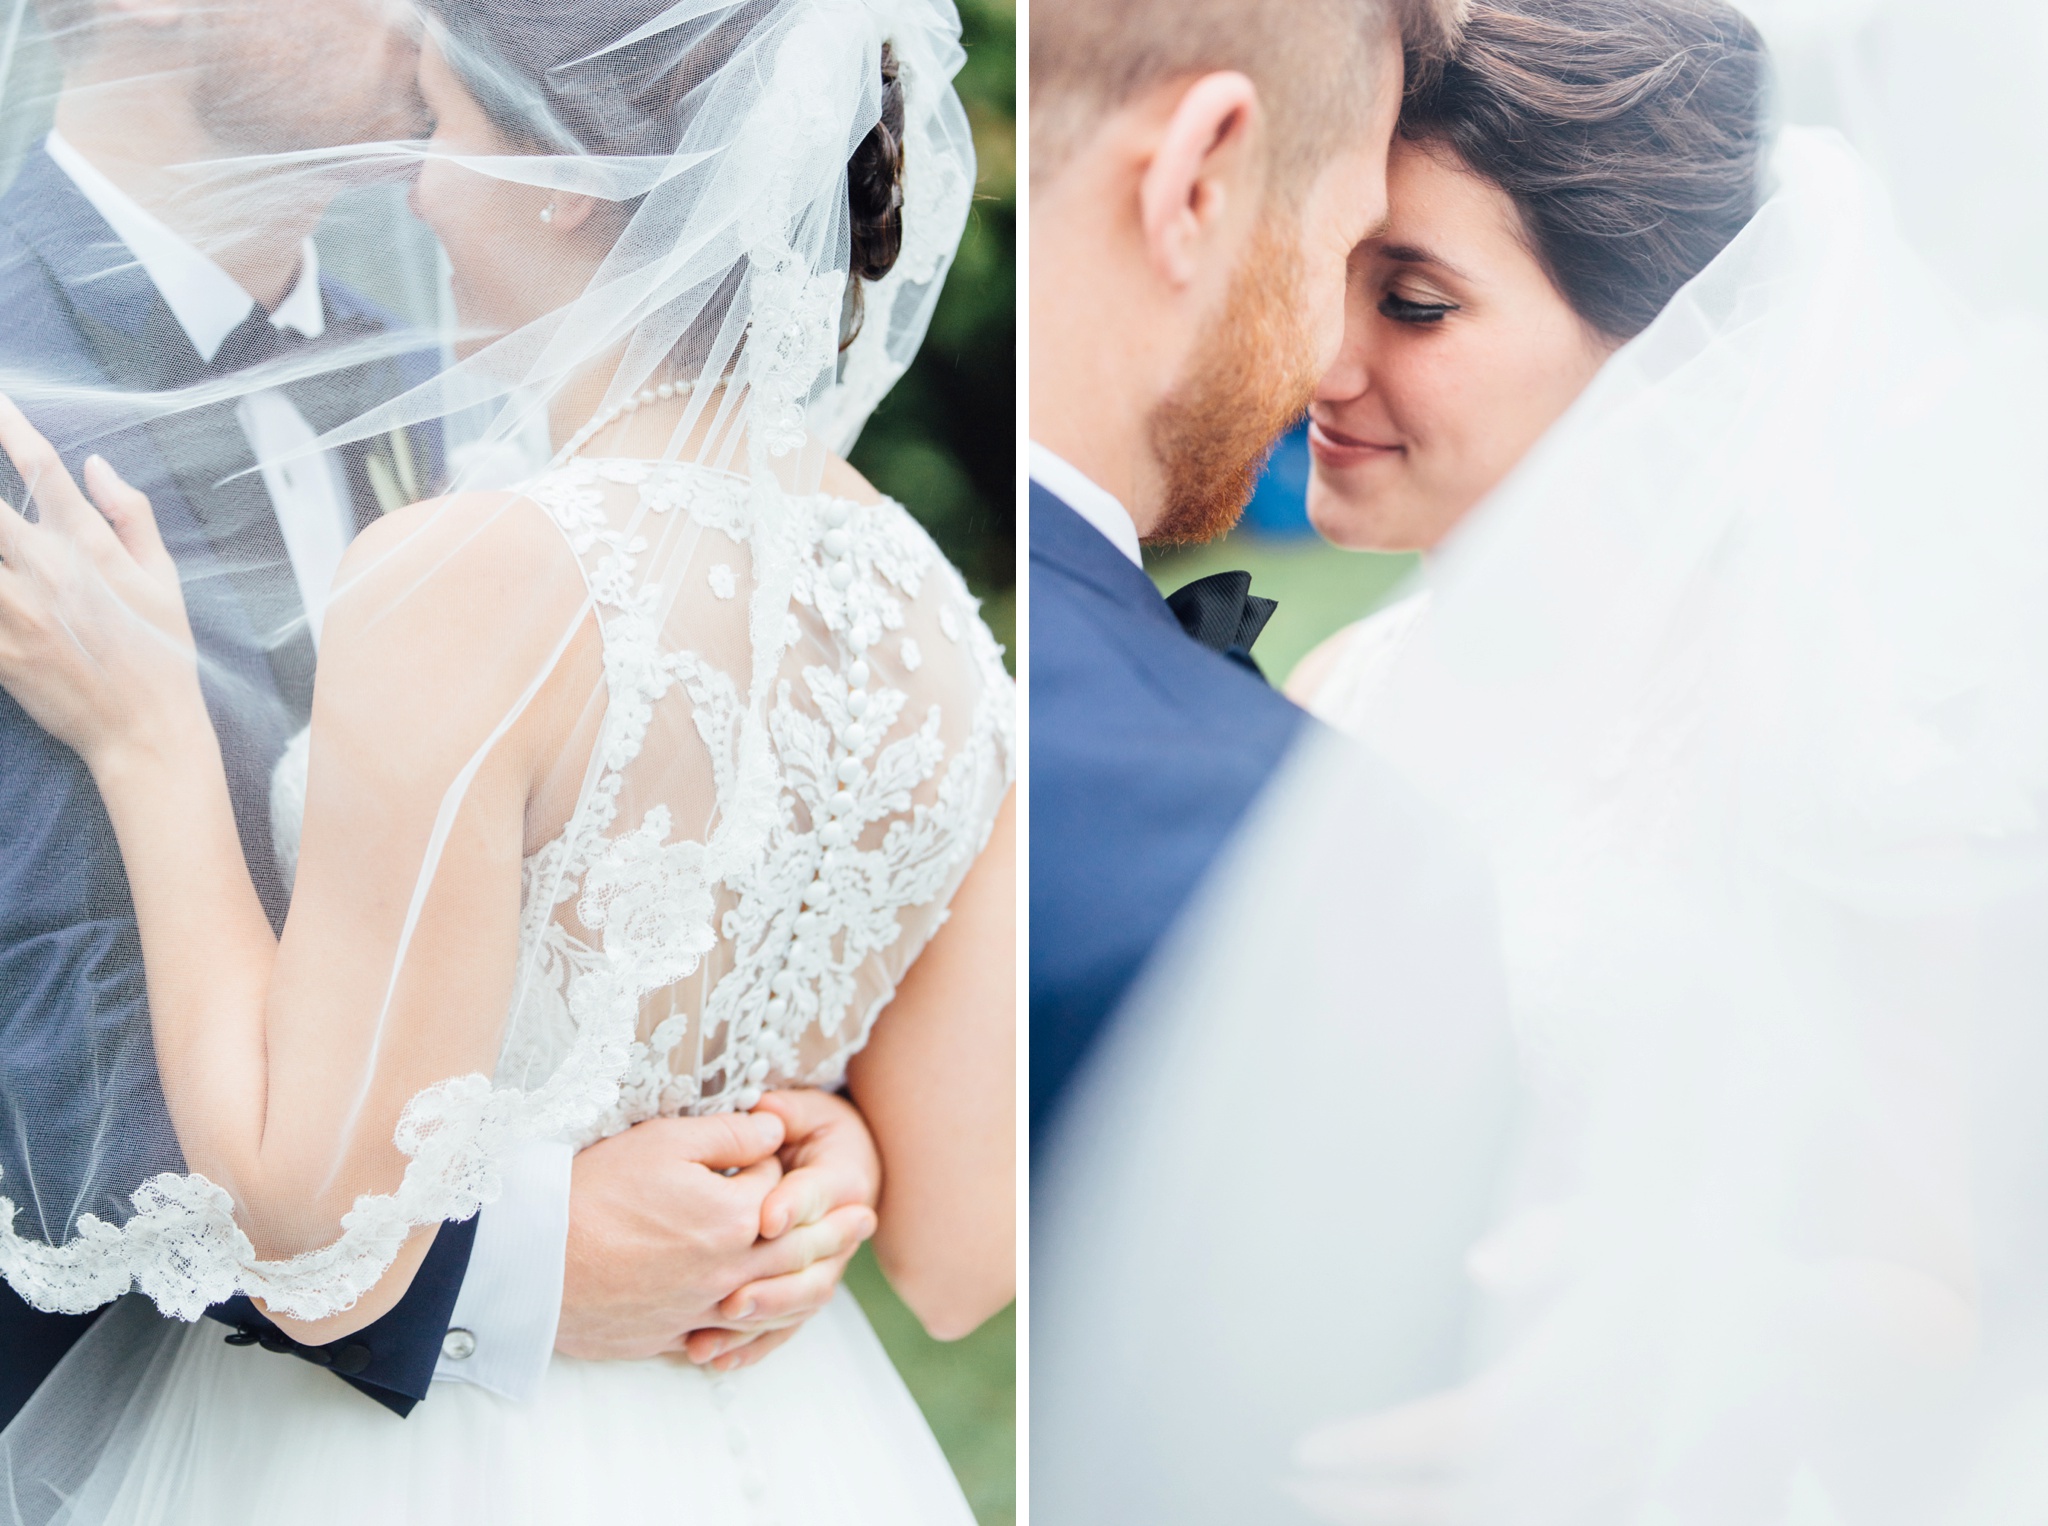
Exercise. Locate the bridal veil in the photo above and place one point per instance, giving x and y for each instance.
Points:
(757, 848)
(1704, 1177)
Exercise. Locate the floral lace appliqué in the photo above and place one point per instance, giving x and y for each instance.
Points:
(671, 960)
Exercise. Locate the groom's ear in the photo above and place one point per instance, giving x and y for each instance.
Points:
(1203, 175)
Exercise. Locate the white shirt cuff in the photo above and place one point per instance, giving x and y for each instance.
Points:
(502, 1333)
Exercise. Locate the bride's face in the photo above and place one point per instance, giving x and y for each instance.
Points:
(1458, 354)
(515, 252)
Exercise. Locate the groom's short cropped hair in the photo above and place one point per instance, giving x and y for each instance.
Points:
(1312, 61)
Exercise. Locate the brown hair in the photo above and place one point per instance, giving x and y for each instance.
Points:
(1090, 57)
(573, 88)
(874, 196)
(1629, 134)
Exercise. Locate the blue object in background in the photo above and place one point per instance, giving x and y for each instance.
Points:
(1279, 505)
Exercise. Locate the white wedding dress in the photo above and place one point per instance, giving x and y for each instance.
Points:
(763, 891)
(1365, 656)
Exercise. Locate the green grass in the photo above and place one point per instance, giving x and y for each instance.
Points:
(967, 1390)
(1321, 589)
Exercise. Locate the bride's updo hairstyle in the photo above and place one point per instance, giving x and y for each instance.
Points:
(557, 79)
(1628, 133)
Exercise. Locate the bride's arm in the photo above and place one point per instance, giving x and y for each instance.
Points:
(286, 1064)
(937, 1084)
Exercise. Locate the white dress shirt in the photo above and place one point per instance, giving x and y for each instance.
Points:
(307, 492)
(1094, 503)
(503, 1329)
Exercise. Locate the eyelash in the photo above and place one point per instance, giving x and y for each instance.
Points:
(1401, 310)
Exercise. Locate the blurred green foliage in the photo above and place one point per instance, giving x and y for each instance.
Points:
(945, 441)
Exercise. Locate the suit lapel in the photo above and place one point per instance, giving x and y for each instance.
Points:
(87, 302)
(208, 455)
(1064, 539)
(1157, 646)
(141, 349)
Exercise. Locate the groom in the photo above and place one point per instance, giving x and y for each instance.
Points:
(1200, 175)
(117, 277)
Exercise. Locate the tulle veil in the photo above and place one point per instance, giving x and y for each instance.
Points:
(1689, 1164)
(715, 137)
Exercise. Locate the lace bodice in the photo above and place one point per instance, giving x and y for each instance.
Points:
(806, 736)
(744, 884)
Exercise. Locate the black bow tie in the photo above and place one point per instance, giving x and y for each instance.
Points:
(1223, 613)
(252, 342)
(329, 396)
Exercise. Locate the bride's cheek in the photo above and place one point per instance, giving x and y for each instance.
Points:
(445, 196)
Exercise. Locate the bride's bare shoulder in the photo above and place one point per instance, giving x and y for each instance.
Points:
(474, 588)
(471, 537)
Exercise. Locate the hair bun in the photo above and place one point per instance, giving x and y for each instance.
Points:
(874, 183)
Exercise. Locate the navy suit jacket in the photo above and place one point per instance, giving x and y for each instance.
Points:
(1147, 749)
(75, 307)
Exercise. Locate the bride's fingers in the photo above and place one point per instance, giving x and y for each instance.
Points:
(732, 1350)
(836, 1235)
(16, 533)
(18, 594)
(42, 471)
(804, 1196)
(796, 1295)
(752, 1351)
(128, 511)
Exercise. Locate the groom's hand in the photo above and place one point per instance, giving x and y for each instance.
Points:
(659, 1236)
(812, 1222)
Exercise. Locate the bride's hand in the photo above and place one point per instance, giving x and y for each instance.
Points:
(94, 640)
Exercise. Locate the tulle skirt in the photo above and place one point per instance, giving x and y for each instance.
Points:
(822, 1433)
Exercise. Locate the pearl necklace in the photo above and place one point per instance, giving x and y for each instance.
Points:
(645, 397)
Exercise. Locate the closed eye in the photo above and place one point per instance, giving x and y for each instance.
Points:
(1401, 310)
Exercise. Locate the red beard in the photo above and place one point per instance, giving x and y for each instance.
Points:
(1249, 381)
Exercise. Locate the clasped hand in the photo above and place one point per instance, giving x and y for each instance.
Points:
(94, 640)
(667, 1254)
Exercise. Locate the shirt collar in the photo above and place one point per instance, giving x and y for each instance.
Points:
(208, 303)
(1085, 497)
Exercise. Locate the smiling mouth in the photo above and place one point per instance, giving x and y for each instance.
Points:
(1333, 448)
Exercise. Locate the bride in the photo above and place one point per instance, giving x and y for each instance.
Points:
(1550, 191)
(1729, 669)
(675, 773)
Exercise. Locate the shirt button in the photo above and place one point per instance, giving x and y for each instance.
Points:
(458, 1345)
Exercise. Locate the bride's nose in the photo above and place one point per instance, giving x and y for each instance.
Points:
(1349, 376)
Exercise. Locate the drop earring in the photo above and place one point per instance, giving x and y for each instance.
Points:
(547, 213)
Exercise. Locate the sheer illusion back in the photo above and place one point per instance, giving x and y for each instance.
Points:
(760, 877)
(736, 898)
